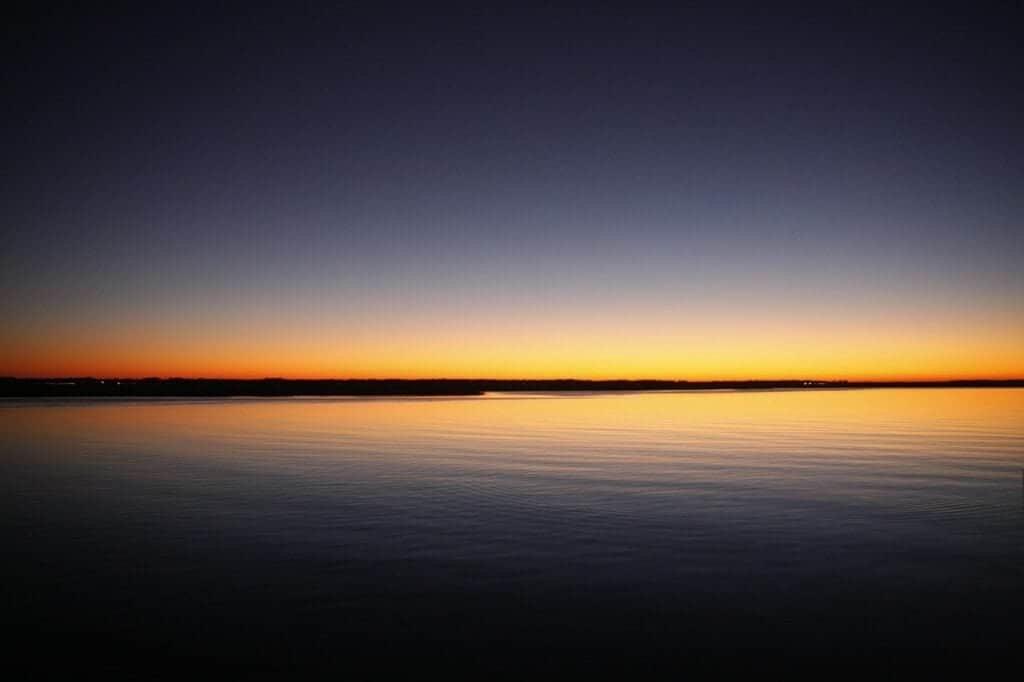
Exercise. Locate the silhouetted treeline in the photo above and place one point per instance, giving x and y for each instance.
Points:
(154, 387)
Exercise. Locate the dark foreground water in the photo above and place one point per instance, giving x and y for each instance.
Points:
(308, 536)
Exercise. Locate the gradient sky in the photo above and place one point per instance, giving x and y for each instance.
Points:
(744, 193)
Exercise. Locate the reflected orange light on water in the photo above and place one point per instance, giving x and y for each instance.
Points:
(573, 424)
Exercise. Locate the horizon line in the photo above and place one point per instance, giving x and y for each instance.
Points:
(88, 377)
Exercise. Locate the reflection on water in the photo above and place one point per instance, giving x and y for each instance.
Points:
(294, 533)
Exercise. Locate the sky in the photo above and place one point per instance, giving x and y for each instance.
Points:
(472, 191)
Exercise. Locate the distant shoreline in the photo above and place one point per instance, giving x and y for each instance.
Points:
(224, 388)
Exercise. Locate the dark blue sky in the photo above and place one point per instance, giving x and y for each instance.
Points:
(304, 180)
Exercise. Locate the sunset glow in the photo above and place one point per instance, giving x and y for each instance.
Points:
(475, 343)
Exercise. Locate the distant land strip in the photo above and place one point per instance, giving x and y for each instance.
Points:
(272, 387)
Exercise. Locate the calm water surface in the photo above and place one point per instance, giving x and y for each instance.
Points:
(293, 536)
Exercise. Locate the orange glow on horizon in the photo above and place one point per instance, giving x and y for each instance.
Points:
(706, 365)
(542, 345)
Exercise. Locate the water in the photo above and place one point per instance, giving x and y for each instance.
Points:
(297, 537)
